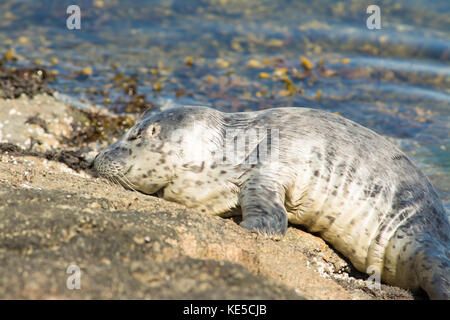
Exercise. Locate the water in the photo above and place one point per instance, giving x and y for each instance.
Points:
(245, 55)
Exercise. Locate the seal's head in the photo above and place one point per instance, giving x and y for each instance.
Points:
(140, 159)
(159, 147)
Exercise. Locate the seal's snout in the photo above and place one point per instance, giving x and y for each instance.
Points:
(98, 164)
(108, 164)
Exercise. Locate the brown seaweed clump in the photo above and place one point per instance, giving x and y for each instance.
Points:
(30, 81)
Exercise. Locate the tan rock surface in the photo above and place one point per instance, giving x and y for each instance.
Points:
(130, 245)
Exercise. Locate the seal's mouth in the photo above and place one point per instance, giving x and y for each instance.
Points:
(113, 173)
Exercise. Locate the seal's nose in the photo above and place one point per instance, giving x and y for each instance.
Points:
(92, 165)
(95, 159)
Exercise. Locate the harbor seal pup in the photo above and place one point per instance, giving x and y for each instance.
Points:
(334, 177)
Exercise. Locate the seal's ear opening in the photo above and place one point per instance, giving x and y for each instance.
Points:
(153, 130)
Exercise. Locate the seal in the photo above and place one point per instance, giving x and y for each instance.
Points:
(334, 177)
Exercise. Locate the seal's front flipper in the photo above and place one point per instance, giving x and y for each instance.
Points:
(262, 203)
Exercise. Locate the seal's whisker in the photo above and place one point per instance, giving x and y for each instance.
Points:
(114, 181)
(111, 183)
(124, 182)
(128, 181)
(131, 186)
(122, 179)
(107, 181)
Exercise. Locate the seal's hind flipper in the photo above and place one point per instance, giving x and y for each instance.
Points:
(432, 266)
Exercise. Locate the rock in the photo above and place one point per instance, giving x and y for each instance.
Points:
(132, 246)
(40, 122)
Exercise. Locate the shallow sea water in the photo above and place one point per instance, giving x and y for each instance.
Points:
(246, 55)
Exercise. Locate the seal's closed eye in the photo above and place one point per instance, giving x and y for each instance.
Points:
(135, 134)
(151, 130)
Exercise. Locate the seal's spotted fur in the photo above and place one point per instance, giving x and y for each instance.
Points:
(333, 176)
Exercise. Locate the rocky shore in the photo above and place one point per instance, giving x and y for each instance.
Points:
(55, 213)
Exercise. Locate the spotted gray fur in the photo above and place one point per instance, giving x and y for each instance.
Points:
(333, 176)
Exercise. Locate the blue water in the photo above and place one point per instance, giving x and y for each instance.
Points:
(395, 81)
